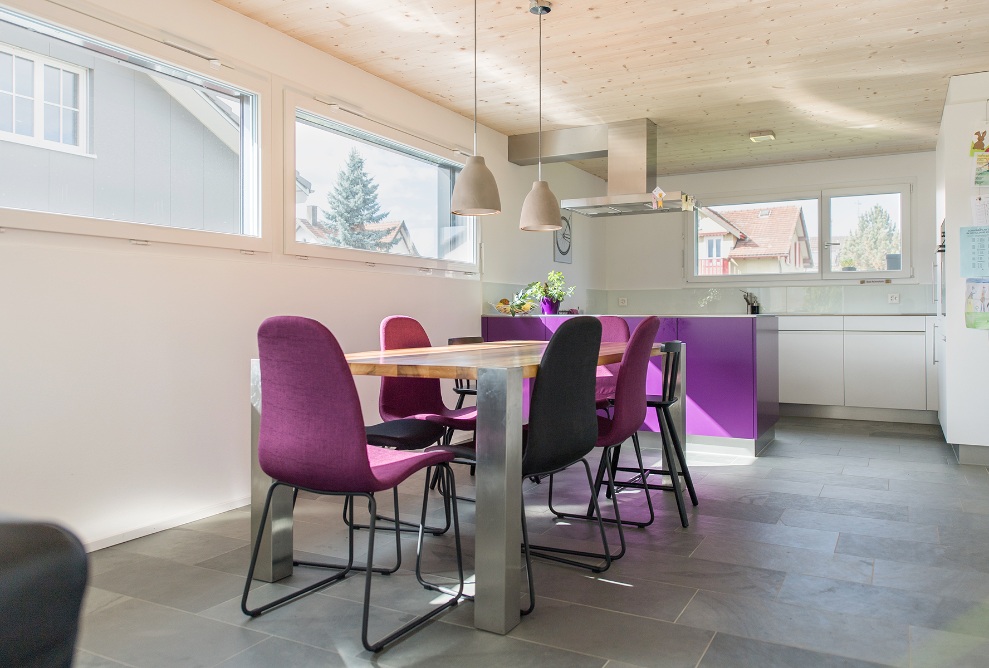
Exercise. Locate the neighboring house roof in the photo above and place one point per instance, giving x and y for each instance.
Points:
(313, 233)
(769, 231)
(396, 232)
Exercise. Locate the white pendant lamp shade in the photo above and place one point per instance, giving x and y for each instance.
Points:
(475, 192)
(540, 210)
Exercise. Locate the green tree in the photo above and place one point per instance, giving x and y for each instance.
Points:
(354, 205)
(875, 237)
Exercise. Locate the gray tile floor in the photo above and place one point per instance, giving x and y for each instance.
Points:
(846, 544)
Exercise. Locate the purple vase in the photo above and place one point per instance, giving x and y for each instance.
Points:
(549, 306)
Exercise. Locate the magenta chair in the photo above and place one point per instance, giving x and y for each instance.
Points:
(312, 438)
(629, 411)
(613, 330)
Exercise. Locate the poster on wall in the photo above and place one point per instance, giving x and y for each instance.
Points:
(563, 242)
(974, 244)
(976, 303)
(982, 169)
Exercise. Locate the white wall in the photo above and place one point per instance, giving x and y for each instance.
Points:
(646, 252)
(967, 356)
(124, 393)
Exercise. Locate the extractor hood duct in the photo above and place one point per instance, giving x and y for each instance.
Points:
(632, 159)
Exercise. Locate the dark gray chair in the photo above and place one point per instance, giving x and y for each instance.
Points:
(43, 571)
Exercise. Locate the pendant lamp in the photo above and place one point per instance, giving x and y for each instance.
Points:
(475, 192)
(541, 208)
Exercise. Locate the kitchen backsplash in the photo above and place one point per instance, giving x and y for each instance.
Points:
(727, 300)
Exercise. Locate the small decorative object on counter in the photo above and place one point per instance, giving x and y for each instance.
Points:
(518, 304)
(751, 302)
(549, 294)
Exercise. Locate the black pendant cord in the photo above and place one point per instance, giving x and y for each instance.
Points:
(475, 77)
(540, 142)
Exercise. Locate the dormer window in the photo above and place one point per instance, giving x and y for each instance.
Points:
(765, 213)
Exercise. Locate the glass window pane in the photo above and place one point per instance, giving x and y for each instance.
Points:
(6, 112)
(70, 127)
(6, 72)
(52, 118)
(24, 116)
(868, 232)
(70, 89)
(757, 238)
(24, 77)
(52, 76)
(352, 192)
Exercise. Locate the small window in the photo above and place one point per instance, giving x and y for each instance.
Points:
(757, 238)
(42, 100)
(359, 191)
(865, 230)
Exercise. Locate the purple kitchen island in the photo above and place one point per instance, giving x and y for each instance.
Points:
(731, 373)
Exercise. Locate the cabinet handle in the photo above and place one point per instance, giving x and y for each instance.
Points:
(934, 344)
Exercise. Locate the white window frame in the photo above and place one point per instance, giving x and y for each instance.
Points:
(905, 191)
(129, 48)
(339, 114)
(38, 138)
(823, 275)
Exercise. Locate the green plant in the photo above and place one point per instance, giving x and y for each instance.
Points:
(519, 303)
(555, 288)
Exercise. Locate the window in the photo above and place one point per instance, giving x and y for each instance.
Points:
(42, 101)
(93, 135)
(359, 191)
(811, 236)
(865, 230)
(756, 238)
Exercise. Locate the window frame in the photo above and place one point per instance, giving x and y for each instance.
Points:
(133, 50)
(308, 104)
(40, 60)
(823, 273)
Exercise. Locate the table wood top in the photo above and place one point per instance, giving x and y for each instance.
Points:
(464, 361)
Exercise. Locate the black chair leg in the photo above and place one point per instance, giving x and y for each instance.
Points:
(528, 564)
(670, 458)
(449, 484)
(681, 458)
(404, 525)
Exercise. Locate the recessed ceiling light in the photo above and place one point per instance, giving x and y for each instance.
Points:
(762, 135)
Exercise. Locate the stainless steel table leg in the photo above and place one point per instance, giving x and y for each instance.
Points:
(499, 499)
(275, 556)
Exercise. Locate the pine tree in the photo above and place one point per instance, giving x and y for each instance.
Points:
(353, 205)
(875, 237)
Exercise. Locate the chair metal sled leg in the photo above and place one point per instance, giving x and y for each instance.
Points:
(404, 525)
(448, 481)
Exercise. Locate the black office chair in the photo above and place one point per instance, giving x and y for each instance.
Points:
(43, 571)
(671, 441)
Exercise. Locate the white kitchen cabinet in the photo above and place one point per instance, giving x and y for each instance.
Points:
(811, 367)
(885, 369)
(930, 353)
(940, 357)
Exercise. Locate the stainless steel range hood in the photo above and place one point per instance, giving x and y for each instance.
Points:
(632, 159)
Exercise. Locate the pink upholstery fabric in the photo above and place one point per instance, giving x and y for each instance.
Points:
(613, 330)
(630, 390)
(312, 429)
(419, 398)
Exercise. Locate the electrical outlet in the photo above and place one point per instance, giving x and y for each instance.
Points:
(623, 301)
(893, 297)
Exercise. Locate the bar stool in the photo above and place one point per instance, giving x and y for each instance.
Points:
(672, 449)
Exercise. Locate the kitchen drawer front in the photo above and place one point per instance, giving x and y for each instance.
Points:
(885, 370)
(885, 323)
(796, 323)
(811, 369)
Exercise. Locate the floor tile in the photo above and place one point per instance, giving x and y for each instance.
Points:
(936, 649)
(182, 545)
(964, 585)
(924, 533)
(786, 559)
(728, 651)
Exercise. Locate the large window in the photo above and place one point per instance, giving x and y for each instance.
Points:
(826, 235)
(91, 131)
(360, 191)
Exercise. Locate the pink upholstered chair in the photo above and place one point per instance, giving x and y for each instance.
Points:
(312, 438)
(613, 330)
(629, 411)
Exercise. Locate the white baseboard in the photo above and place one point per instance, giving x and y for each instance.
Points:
(856, 413)
(169, 523)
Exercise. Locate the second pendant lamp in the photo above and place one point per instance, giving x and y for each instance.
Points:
(541, 208)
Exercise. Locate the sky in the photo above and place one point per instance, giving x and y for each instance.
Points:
(406, 187)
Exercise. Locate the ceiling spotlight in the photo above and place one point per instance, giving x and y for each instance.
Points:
(762, 135)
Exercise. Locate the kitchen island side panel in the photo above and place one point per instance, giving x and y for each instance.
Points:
(721, 387)
(767, 361)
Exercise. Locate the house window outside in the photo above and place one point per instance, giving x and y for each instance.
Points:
(42, 100)
(756, 238)
(359, 191)
(93, 134)
(865, 230)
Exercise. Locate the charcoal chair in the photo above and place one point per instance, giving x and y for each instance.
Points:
(312, 438)
(628, 413)
(671, 441)
(562, 428)
(43, 570)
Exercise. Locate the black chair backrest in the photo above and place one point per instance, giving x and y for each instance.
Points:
(671, 369)
(563, 425)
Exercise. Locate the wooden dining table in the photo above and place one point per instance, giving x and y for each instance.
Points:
(499, 369)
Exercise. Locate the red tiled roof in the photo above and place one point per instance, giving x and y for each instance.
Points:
(318, 232)
(392, 229)
(769, 235)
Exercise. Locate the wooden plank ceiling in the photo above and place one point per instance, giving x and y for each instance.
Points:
(832, 78)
